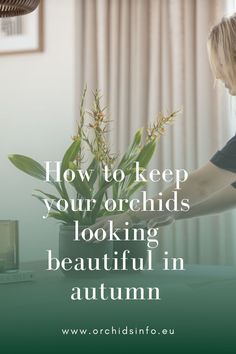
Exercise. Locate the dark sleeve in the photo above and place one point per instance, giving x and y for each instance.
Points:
(226, 157)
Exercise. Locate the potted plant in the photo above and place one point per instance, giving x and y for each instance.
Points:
(91, 139)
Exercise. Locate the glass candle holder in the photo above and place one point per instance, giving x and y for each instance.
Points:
(9, 245)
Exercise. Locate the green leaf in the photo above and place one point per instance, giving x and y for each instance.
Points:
(41, 199)
(143, 158)
(32, 168)
(63, 216)
(146, 154)
(115, 189)
(29, 166)
(94, 166)
(81, 186)
(99, 197)
(50, 196)
(133, 148)
(70, 155)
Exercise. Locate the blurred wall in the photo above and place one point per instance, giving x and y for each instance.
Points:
(37, 114)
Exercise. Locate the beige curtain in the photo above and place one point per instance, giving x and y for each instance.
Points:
(149, 56)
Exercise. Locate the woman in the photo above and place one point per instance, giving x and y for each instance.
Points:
(211, 188)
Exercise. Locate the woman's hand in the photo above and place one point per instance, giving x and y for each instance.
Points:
(125, 220)
(161, 221)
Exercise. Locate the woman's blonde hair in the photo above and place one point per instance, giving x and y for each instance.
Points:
(222, 49)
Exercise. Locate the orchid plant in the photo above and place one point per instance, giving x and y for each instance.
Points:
(92, 137)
